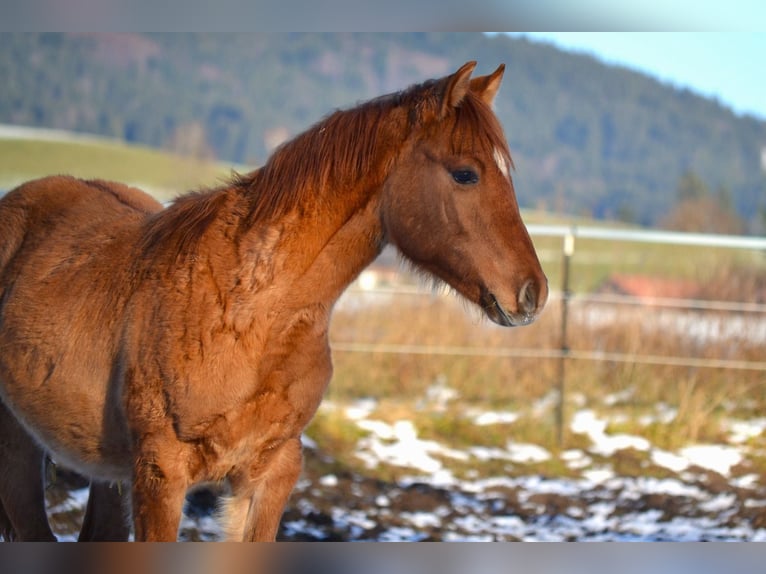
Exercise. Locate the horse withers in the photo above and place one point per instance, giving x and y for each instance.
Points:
(165, 348)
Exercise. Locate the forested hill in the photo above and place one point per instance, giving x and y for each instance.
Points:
(587, 138)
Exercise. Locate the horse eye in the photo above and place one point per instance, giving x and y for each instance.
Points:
(465, 176)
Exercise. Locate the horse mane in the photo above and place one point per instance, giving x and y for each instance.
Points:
(345, 147)
(179, 227)
(329, 157)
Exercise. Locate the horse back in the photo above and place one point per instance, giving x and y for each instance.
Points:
(61, 205)
(47, 196)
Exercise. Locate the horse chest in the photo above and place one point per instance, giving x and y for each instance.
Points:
(253, 430)
(272, 398)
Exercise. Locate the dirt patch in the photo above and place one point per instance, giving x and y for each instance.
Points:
(346, 506)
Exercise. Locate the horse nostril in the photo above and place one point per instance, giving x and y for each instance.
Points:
(528, 298)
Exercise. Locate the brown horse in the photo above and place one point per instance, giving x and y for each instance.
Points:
(168, 348)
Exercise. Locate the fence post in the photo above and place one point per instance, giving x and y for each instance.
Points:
(568, 251)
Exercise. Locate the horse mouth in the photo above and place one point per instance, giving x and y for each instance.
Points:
(497, 314)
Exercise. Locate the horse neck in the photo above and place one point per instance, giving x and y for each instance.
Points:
(320, 248)
(332, 227)
(334, 251)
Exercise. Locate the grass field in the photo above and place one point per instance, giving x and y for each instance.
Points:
(669, 406)
(162, 174)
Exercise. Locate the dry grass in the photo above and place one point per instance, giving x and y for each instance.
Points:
(639, 396)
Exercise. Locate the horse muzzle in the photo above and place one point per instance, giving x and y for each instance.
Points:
(529, 302)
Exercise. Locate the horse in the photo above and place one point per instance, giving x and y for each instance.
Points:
(167, 348)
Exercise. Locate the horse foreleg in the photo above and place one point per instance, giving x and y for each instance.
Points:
(22, 487)
(105, 518)
(158, 489)
(255, 511)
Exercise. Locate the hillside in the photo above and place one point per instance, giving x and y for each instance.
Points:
(587, 138)
(29, 153)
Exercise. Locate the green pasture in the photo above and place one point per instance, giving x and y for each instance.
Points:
(160, 173)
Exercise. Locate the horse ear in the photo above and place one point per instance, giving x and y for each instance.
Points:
(458, 85)
(486, 87)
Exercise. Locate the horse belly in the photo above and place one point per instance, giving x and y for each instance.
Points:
(62, 396)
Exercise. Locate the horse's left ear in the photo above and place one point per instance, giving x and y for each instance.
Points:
(457, 87)
(486, 87)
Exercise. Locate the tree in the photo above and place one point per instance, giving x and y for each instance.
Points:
(189, 139)
(699, 210)
(691, 187)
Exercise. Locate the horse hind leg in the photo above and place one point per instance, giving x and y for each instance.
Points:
(7, 532)
(23, 515)
(22, 493)
(105, 518)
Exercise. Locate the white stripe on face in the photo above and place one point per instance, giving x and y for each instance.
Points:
(502, 162)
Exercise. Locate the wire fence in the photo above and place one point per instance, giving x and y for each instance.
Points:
(567, 299)
(564, 294)
(570, 234)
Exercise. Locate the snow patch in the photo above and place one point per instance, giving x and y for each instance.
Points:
(718, 458)
(585, 422)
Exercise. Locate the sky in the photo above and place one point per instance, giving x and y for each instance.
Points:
(729, 66)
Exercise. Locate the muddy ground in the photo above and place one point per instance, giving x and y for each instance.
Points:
(346, 506)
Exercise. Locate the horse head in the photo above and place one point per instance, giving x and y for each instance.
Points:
(449, 201)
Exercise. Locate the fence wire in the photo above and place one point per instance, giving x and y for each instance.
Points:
(569, 234)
